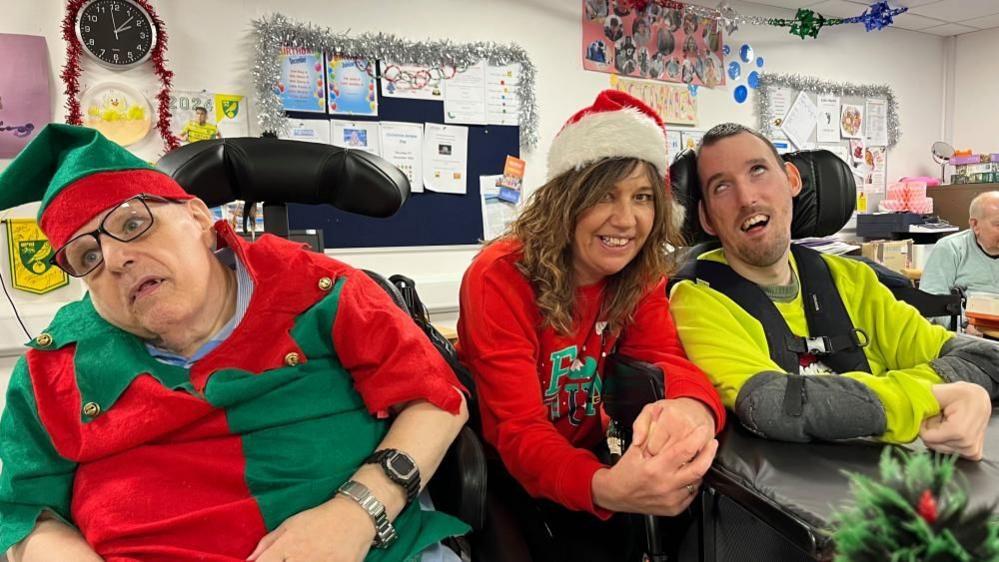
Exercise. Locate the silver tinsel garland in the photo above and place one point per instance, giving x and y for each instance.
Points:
(811, 85)
(278, 31)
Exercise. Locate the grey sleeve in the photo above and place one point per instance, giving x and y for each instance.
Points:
(803, 408)
(966, 358)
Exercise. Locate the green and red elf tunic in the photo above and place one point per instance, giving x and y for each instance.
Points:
(155, 462)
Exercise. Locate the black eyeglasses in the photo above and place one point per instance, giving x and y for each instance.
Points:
(125, 223)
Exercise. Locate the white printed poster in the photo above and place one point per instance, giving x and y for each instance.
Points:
(402, 145)
(445, 158)
(877, 122)
(828, 120)
(308, 130)
(502, 101)
(497, 214)
(465, 96)
(800, 120)
(360, 135)
(780, 104)
(410, 81)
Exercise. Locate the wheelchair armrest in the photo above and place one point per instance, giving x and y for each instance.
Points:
(459, 486)
(630, 384)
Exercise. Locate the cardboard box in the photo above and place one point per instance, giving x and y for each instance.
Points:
(893, 254)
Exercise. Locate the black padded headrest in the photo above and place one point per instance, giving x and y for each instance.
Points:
(282, 171)
(827, 199)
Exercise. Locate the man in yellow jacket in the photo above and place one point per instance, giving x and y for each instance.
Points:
(922, 381)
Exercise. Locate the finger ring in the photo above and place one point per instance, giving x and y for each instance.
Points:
(690, 489)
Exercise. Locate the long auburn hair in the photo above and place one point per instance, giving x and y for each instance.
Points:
(546, 228)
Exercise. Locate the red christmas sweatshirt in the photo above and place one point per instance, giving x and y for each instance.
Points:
(539, 393)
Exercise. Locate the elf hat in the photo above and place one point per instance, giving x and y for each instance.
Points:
(77, 173)
(617, 125)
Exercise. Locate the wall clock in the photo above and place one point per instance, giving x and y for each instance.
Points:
(118, 34)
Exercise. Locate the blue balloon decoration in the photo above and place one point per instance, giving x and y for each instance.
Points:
(727, 50)
(753, 79)
(740, 93)
(734, 70)
(759, 62)
(746, 53)
(692, 88)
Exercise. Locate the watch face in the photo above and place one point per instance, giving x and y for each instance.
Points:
(117, 33)
(402, 465)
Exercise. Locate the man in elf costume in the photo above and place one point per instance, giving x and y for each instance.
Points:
(209, 399)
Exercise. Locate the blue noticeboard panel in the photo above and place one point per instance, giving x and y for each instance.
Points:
(426, 219)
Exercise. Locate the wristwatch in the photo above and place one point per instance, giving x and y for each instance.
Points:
(400, 468)
(385, 533)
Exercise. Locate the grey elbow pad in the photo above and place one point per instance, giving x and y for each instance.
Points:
(975, 360)
(803, 408)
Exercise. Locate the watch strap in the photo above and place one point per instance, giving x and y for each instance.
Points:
(385, 533)
(410, 482)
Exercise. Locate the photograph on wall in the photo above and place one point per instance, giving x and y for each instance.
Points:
(651, 42)
(203, 115)
(360, 135)
(120, 112)
(690, 139)
(301, 86)
(675, 104)
(852, 121)
(25, 96)
(351, 85)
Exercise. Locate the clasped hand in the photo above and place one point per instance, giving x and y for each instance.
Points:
(672, 448)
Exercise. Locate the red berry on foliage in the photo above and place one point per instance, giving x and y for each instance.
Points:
(927, 508)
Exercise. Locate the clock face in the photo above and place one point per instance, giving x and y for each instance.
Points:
(117, 33)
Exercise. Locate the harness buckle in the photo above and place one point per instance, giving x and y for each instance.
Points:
(819, 345)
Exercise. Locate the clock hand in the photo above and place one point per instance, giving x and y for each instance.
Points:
(125, 29)
(123, 24)
(114, 25)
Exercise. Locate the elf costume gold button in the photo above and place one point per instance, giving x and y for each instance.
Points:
(325, 283)
(91, 409)
(291, 359)
(44, 340)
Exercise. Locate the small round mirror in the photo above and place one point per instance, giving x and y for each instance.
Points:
(942, 150)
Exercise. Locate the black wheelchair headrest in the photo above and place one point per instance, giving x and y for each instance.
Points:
(827, 199)
(282, 171)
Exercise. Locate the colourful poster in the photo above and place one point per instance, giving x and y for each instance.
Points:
(301, 86)
(652, 42)
(29, 252)
(351, 86)
(674, 104)
(25, 98)
(204, 115)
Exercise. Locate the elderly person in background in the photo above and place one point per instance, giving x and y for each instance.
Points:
(209, 398)
(967, 259)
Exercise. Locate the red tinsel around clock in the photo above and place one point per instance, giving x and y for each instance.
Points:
(71, 71)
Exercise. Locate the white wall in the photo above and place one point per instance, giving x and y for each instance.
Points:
(210, 47)
(976, 91)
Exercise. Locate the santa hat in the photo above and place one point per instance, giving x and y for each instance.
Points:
(617, 125)
(77, 174)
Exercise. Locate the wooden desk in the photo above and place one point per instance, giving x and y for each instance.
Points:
(950, 202)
